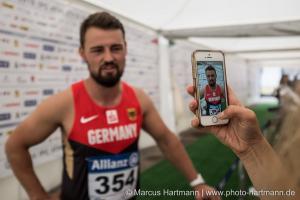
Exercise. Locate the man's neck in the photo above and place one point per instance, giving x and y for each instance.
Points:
(105, 96)
(213, 87)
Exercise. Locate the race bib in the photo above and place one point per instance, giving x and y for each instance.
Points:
(109, 177)
(214, 109)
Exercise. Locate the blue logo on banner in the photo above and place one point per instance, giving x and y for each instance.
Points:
(29, 103)
(66, 68)
(48, 48)
(48, 91)
(29, 55)
(111, 163)
(4, 64)
(5, 116)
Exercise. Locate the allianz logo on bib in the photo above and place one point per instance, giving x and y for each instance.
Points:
(112, 163)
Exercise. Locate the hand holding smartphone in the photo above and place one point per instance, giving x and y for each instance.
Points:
(209, 78)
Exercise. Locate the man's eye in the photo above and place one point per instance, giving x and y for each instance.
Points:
(116, 48)
(97, 50)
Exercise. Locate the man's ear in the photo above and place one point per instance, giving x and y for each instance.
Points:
(81, 53)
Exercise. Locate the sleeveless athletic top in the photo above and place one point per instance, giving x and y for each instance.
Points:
(213, 99)
(101, 158)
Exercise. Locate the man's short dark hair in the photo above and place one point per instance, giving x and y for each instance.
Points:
(210, 68)
(101, 20)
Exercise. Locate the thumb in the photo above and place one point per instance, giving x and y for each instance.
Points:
(235, 111)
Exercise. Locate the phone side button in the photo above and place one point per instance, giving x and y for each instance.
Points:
(214, 119)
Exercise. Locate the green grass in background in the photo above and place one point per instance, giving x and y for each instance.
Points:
(262, 113)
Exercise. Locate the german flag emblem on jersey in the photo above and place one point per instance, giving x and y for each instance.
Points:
(132, 114)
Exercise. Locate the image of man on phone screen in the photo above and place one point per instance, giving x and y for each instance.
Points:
(212, 95)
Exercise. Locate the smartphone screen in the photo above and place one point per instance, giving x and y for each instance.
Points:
(211, 86)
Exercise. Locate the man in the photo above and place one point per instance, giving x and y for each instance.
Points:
(212, 93)
(244, 137)
(100, 118)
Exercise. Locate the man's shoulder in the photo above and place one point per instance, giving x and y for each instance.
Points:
(142, 97)
(139, 92)
(55, 107)
(65, 94)
(221, 88)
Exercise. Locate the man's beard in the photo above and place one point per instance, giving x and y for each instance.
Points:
(212, 84)
(109, 80)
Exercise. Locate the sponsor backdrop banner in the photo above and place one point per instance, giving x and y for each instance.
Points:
(39, 42)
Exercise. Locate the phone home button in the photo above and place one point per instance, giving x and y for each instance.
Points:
(214, 119)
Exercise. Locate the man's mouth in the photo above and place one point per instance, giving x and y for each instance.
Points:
(109, 68)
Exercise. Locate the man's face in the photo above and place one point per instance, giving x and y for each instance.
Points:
(105, 52)
(211, 77)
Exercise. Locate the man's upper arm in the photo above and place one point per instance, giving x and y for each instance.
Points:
(43, 121)
(152, 122)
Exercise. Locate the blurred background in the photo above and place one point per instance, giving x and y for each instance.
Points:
(39, 43)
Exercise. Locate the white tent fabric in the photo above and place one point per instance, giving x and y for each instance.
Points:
(231, 22)
(183, 14)
(252, 44)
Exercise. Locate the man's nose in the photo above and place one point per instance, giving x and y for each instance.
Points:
(108, 56)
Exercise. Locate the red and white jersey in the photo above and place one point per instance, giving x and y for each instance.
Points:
(101, 147)
(110, 129)
(213, 97)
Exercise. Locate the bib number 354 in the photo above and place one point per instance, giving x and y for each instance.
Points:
(112, 185)
(115, 183)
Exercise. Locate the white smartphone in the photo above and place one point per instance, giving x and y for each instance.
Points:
(209, 78)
